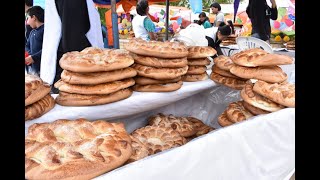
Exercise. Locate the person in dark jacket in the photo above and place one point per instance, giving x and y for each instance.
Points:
(28, 4)
(34, 42)
(260, 14)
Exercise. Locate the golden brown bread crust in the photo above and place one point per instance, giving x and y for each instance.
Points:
(75, 149)
(158, 87)
(102, 89)
(160, 73)
(256, 100)
(97, 77)
(223, 62)
(233, 83)
(96, 60)
(196, 69)
(254, 110)
(258, 57)
(271, 74)
(195, 77)
(237, 113)
(223, 119)
(68, 99)
(159, 62)
(147, 81)
(35, 89)
(139, 150)
(281, 93)
(39, 108)
(158, 139)
(157, 49)
(200, 52)
(199, 62)
(181, 124)
(224, 73)
(200, 127)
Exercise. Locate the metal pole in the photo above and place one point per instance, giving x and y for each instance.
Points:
(167, 19)
(114, 18)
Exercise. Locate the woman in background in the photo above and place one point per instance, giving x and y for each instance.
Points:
(142, 25)
(204, 20)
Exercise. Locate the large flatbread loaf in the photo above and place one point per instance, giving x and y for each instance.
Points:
(254, 110)
(157, 49)
(223, 119)
(195, 77)
(237, 113)
(281, 93)
(96, 60)
(146, 81)
(97, 77)
(196, 69)
(222, 72)
(75, 149)
(158, 87)
(272, 74)
(233, 83)
(256, 100)
(35, 89)
(69, 99)
(199, 62)
(105, 88)
(160, 73)
(159, 62)
(223, 62)
(200, 52)
(258, 57)
(39, 108)
(139, 150)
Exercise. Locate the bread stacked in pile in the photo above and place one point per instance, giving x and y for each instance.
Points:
(165, 132)
(259, 98)
(159, 65)
(38, 100)
(197, 62)
(81, 149)
(270, 93)
(291, 45)
(230, 40)
(221, 73)
(95, 76)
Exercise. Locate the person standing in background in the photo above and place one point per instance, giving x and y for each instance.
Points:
(260, 14)
(216, 9)
(204, 20)
(142, 25)
(34, 43)
(215, 35)
(27, 5)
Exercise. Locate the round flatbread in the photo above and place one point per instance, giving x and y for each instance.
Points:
(139, 150)
(227, 81)
(147, 81)
(96, 60)
(237, 113)
(158, 87)
(199, 62)
(224, 73)
(159, 62)
(254, 110)
(35, 89)
(97, 77)
(223, 62)
(68, 99)
(223, 119)
(160, 73)
(200, 52)
(195, 77)
(39, 108)
(196, 70)
(105, 88)
(157, 48)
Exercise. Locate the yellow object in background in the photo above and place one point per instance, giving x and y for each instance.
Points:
(120, 31)
(163, 30)
(125, 31)
(277, 38)
(286, 39)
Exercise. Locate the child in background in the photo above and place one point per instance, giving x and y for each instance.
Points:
(204, 20)
(34, 43)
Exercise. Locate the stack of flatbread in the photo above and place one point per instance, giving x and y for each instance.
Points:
(291, 45)
(159, 65)
(259, 98)
(221, 73)
(197, 62)
(230, 40)
(95, 76)
(165, 132)
(38, 100)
